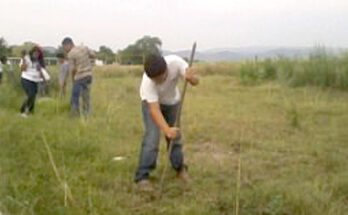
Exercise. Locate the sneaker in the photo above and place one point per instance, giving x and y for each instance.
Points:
(144, 185)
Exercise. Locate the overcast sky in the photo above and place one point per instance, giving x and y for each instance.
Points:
(212, 23)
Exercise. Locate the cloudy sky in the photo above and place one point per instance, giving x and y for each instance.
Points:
(212, 23)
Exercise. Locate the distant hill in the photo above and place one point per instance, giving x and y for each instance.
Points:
(223, 54)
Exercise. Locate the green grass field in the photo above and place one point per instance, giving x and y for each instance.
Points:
(293, 150)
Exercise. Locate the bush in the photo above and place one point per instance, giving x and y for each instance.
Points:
(252, 72)
(321, 70)
(268, 70)
(249, 73)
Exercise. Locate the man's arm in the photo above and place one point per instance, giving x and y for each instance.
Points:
(72, 66)
(187, 72)
(157, 116)
(91, 54)
(190, 76)
(73, 72)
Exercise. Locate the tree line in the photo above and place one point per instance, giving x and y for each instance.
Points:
(133, 54)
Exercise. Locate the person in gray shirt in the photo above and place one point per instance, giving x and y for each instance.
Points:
(63, 73)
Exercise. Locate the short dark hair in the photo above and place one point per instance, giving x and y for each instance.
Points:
(155, 65)
(67, 40)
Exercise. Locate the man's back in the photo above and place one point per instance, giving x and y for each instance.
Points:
(80, 59)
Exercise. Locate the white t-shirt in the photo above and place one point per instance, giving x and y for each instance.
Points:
(167, 92)
(31, 73)
(0, 67)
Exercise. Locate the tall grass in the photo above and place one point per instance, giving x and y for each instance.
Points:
(319, 69)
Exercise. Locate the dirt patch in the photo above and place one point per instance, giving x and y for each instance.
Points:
(208, 152)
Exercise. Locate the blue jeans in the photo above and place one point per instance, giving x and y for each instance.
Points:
(149, 145)
(80, 86)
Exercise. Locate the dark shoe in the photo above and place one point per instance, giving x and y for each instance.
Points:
(183, 175)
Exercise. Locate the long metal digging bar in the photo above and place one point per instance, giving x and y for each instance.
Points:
(177, 122)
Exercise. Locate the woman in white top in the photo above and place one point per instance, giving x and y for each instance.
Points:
(0, 71)
(2, 64)
(31, 68)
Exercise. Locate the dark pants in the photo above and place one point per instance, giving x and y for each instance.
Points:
(80, 87)
(30, 89)
(149, 145)
(0, 77)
